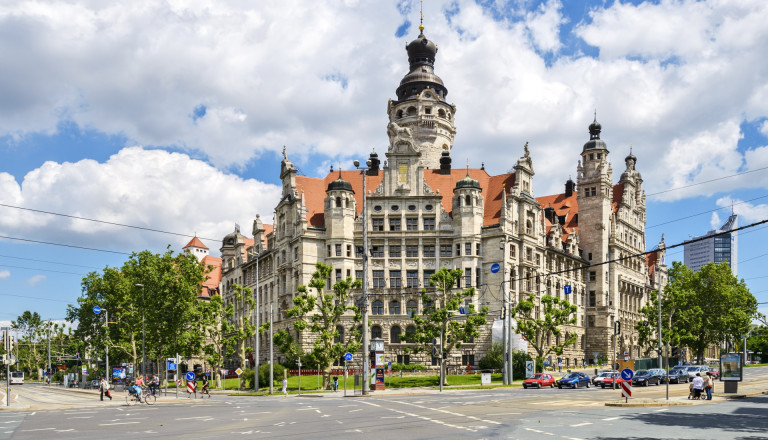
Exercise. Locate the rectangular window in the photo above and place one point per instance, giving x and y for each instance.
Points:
(404, 359)
(394, 251)
(467, 248)
(377, 251)
(358, 252)
(589, 256)
(445, 250)
(349, 250)
(477, 249)
(458, 249)
(395, 279)
(349, 273)
(295, 253)
(338, 250)
(429, 223)
(467, 277)
(429, 250)
(592, 298)
(529, 254)
(394, 224)
(477, 278)
(412, 251)
(411, 224)
(329, 250)
(412, 278)
(338, 275)
(467, 359)
(378, 279)
(512, 248)
(359, 274)
(427, 275)
(592, 276)
(378, 224)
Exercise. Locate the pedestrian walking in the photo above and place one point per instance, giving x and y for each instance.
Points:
(335, 383)
(709, 385)
(101, 389)
(285, 387)
(205, 390)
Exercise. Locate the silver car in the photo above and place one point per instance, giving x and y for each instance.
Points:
(700, 369)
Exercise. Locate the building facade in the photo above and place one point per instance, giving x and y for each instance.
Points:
(422, 214)
(720, 245)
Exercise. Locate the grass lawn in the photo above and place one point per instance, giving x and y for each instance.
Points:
(314, 382)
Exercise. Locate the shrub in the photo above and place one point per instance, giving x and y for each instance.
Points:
(410, 367)
(277, 374)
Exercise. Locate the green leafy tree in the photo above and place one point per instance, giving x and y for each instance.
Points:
(30, 328)
(440, 320)
(758, 342)
(214, 318)
(321, 314)
(543, 329)
(237, 327)
(168, 303)
(706, 307)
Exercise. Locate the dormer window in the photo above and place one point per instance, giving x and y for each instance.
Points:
(428, 110)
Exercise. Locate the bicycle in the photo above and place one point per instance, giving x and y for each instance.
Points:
(145, 396)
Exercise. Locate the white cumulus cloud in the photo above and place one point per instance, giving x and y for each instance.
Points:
(5, 274)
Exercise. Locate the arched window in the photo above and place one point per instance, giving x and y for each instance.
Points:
(411, 111)
(338, 202)
(394, 335)
(412, 308)
(467, 200)
(441, 113)
(340, 337)
(399, 114)
(394, 308)
(375, 331)
(377, 308)
(409, 332)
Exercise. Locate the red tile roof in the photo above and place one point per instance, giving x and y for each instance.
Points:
(195, 242)
(213, 277)
(563, 206)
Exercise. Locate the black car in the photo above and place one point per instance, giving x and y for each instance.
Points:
(645, 378)
(678, 375)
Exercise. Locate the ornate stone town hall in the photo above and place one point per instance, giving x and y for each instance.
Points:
(422, 214)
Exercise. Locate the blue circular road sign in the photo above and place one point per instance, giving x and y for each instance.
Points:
(495, 267)
(190, 375)
(348, 357)
(627, 374)
(96, 309)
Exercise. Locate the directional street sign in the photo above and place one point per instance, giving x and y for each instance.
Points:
(96, 309)
(567, 289)
(190, 375)
(348, 357)
(495, 267)
(171, 366)
(627, 374)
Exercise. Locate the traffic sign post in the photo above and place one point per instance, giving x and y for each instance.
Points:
(495, 267)
(626, 356)
(626, 391)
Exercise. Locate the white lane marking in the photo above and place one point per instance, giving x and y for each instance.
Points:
(318, 411)
(392, 417)
(118, 423)
(38, 429)
(447, 412)
(64, 430)
(82, 417)
(662, 410)
(32, 414)
(534, 430)
(305, 409)
(582, 424)
(345, 406)
(12, 421)
(279, 424)
(339, 422)
(611, 418)
(502, 414)
(191, 418)
(356, 410)
(441, 422)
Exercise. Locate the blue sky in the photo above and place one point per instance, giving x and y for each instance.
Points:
(172, 115)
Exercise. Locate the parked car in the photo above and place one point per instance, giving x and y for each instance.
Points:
(645, 378)
(679, 375)
(662, 373)
(610, 380)
(539, 380)
(597, 380)
(693, 369)
(715, 372)
(574, 380)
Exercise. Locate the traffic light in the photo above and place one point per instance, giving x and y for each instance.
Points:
(617, 328)
(675, 351)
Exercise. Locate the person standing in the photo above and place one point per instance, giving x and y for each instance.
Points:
(285, 386)
(101, 389)
(709, 384)
(335, 383)
(698, 386)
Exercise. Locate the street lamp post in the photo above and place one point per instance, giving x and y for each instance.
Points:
(504, 313)
(364, 215)
(143, 338)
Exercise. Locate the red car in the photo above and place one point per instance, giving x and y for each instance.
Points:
(614, 377)
(539, 381)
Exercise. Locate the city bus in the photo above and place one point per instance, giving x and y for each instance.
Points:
(17, 378)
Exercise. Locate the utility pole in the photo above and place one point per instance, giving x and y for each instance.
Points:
(271, 352)
(504, 313)
(366, 340)
(256, 348)
(49, 347)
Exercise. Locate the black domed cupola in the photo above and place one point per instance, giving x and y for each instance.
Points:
(340, 185)
(421, 58)
(595, 143)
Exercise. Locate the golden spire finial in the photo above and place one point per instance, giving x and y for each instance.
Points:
(421, 12)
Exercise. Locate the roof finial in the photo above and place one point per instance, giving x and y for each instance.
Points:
(340, 171)
(421, 12)
(595, 114)
(467, 167)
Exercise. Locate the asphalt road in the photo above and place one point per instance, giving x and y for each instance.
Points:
(475, 414)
